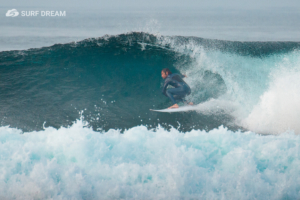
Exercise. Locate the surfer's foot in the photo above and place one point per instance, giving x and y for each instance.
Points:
(191, 103)
(174, 106)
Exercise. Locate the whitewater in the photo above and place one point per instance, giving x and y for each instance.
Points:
(79, 163)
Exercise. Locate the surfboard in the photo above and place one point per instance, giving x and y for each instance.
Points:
(180, 109)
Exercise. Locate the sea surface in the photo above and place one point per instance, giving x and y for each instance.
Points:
(76, 93)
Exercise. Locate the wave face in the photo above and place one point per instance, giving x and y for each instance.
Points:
(79, 163)
(113, 81)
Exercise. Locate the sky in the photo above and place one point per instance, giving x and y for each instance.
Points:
(156, 4)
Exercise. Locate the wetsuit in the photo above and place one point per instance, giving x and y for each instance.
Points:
(180, 90)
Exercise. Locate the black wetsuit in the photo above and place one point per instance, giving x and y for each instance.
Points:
(180, 90)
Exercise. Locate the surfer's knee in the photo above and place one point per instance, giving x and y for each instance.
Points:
(168, 92)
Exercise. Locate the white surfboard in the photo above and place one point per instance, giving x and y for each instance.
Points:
(180, 109)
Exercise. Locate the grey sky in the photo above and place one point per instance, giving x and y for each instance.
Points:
(156, 4)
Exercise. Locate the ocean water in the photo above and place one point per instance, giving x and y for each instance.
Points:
(75, 119)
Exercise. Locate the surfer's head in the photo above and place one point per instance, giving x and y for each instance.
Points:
(165, 72)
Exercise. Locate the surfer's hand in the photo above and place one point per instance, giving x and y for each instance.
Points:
(184, 75)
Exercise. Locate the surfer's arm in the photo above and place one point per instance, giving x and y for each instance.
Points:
(181, 75)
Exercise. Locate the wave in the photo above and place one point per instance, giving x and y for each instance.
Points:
(113, 81)
(75, 120)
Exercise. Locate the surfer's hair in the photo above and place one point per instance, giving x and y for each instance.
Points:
(165, 70)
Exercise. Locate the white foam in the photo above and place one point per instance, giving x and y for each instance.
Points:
(78, 163)
(278, 109)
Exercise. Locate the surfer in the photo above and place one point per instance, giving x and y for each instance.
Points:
(180, 90)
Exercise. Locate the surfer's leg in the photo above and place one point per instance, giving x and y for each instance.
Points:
(181, 94)
(188, 92)
(170, 93)
(175, 94)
